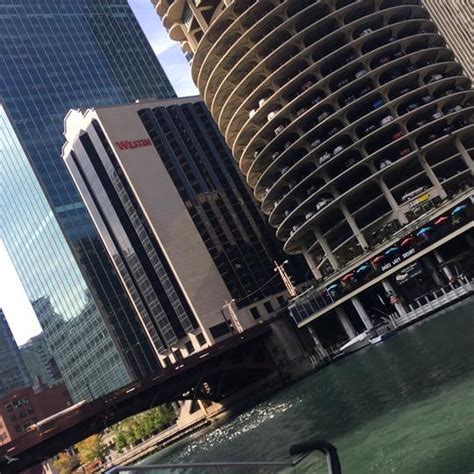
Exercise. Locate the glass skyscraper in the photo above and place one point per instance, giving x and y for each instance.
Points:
(13, 373)
(57, 55)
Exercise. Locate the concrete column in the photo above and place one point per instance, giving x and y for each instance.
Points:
(433, 270)
(465, 155)
(313, 266)
(354, 227)
(326, 249)
(432, 177)
(362, 312)
(345, 322)
(398, 306)
(444, 268)
(320, 350)
(392, 202)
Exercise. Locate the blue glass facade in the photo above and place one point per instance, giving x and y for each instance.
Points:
(54, 56)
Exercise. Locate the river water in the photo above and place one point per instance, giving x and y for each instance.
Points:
(404, 406)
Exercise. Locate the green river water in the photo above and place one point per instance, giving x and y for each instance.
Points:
(404, 406)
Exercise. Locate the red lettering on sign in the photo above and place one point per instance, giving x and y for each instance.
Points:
(129, 144)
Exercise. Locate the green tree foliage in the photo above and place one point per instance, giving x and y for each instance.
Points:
(139, 427)
(91, 449)
(64, 463)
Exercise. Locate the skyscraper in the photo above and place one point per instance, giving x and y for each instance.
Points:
(176, 218)
(13, 373)
(455, 20)
(351, 120)
(56, 56)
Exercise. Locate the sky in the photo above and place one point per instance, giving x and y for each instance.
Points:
(13, 299)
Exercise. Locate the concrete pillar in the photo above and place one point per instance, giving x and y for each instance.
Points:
(400, 216)
(433, 270)
(313, 266)
(320, 350)
(398, 306)
(432, 177)
(444, 267)
(354, 227)
(326, 249)
(362, 312)
(465, 155)
(345, 322)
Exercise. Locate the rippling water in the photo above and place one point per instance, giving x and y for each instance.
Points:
(405, 406)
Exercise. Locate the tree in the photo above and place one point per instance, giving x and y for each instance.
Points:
(64, 463)
(91, 449)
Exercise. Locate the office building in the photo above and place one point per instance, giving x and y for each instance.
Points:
(13, 373)
(24, 407)
(176, 219)
(56, 55)
(454, 19)
(61, 301)
(39, 361)
(353, 123)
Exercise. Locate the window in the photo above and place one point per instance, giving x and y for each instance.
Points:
(255, 313)
(281, 301)
(201, 339)
(219, 330)
(189, 347)
(268, 307)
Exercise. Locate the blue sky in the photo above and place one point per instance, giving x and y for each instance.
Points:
(13, 299)
(168, 52)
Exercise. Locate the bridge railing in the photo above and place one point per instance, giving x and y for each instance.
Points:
(300, 452)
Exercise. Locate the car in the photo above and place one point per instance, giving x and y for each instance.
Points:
(287, 145)
(410, 68)
(434, 78)
(262, 101)
(350, 58)
(384, 163)
(284, 170)
(325, 157)
(301, 111)
(307, 85)
(338, 149)
(420, 123)
(437, 115)
(404, 151)
(385, 120)
(309, 215)
(360, 73)
(413, 193)
(324, 202)
(456, 108)
(272, 114)
(312, 189)
(323, 116)
(267, 190)
(398, 54)
(377, 104)
(279, 129)
(370, 129)
(448, 129)
(365, 32)
(459, 88)
(315, 143)
(252, 112)
(333, 130)
(448, 92)
(384, 60)
(431, 137)
(396, 73)
(427, 98)
(350, 162)
(404, 91)
(257, 152)
(413, 105)
(286, 212)
(342, 83)
(365, 90)
(349, 99)
(317, 100)
(275, 155)
(397, 135)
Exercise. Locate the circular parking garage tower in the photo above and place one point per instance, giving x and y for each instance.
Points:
(343, 115)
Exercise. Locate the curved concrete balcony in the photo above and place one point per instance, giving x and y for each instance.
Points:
(332, 109)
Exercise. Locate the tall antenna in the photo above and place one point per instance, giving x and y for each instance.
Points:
(292, 291)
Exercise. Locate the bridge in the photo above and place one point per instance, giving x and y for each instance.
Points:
(212, 374)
